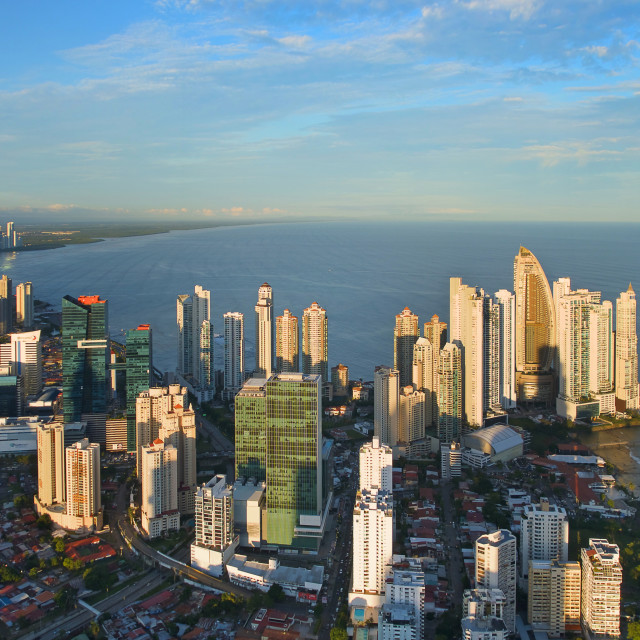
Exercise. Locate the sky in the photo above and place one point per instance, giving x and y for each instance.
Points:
(511, 110)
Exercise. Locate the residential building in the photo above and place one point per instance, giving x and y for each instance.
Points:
(24, 355)
(450, 460)
(159, 489)
(483, 615)
(449, 393)
(544, 534)
(534, 330)
(287, 343)
(83, 479)
(405, 334)
(397, 622)
(51, 464)
(24, 305)
(340, 380)
(505, 302)
(139, 374)
(264, 331)
(386, 408)
(406, 587)
(315, 344)
(601, 581)
(553, 597)
(233, 353)
(626, 351)
(411, 427)
(425, 378)
(436, 333)
(6, 305)
(496, 556)
(376, 466)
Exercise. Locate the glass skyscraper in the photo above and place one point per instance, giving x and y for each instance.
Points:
(139, 370)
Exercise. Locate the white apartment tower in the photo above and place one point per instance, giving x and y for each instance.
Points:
(411, 427)
(496, 557)
(159, 488)
(627, 350)
(233, 352)
(449, 393)
(24, 355)
(83, 479)
(425, 378)
(386, 409)
(601, 580)
(24, 305)
(406, 587)
(264, 332)
(315, 342)
(483, 615)
(544, 534)
(287, 343)
(506, 303)
(51, 477)
(376, 466)
(405, 334)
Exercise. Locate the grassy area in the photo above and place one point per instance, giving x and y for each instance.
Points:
(165, 544)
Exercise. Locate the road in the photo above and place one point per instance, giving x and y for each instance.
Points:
(455, 564)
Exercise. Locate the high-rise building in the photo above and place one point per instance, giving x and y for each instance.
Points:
(425, 378)
(450, 460)
(139, 374)
(287, 343)
(406, 588)
(215, 539)
(24, 305)
(601, 581)
(386, 408)
(405, 334)
(6, 305)
(505, 302)
(626, 351)
(24, 355)
(544, 534)
(411, 427)
(159, 489)
(85, 352)
(376, 466)
(483, 615)
(195, 342)
(233, 352)
(467, 329)
(534, 330)
(491, 340)
(264, 331)
(436, 332)
(83, 479)
(278, 441)
(315, 358)
(449, 393)
(496, 555)
(51, 461)
(553, 597)
(151, 407)
(340, 380)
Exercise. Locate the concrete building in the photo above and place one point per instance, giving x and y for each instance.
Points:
(159, 489)
(233, 353)
(405, 334)
(601, 581)
(376, 466)
(406, 587)
(83, 480)
(51, 461)
(500, 442)
(425, 378)
(450, 385)
(411, 427)
(483, 615)
(544, 535)
(215, 540)
(315, 342)
(450, 461)
(287, 343)
(534, 330)
(397, 622)
(24, 305)
(626, 351)
(195, 342)
(553, 597)
(496, 557)
(506, 304)
(386, 408)
(24, 355)
(6, 305)
(340, 380)
(264, 332)
(249, 511)
(436, 333)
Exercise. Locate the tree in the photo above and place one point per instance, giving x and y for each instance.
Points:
(633, 631)
(99, 578)
(339, 633)
(275, 593)
(59, 545)
(65, 598)
(44, 522)
(8, 574)
(72, 565)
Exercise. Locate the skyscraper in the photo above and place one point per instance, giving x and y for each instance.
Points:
(139, 374)
(376, 466)
(601, 581)
(24, 355)
(534, 330)
(278, 440)
(85, 349)
(233, 352)
(626, 351)
(195, 342)
(340, 380)
(315, 358)
(6, 305)
(449, 393)
(506, 305)
(264, 331)
(287, 343)
(159, 488)
(83, 479)
(411, 427)
(425, 378)
(24, 305)
(386, 408)
(51, 461)
(405, 334)
(495, 555)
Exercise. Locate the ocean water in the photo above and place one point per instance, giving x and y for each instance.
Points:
(362, 273)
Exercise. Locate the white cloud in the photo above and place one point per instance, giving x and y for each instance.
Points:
(517, 9)
(295, 42)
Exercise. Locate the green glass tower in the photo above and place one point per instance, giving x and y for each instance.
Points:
(85, 349)
(139, 369)
(279, 441)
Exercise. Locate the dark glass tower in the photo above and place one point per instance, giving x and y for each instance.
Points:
(85, 349)
(139, 370)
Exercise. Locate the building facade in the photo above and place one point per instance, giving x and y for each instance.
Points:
(626, 351)
(264, 331)
(24, 305)
(287, 343)
(405, 334)
(233, 352)
(139, 374)
(450, 393)
(23, 354)
(315, 342)
(83, 479)
(386, 408)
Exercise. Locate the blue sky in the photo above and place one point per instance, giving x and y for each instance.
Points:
(223, 109)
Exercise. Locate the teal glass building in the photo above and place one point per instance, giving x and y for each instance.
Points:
(139, 368)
